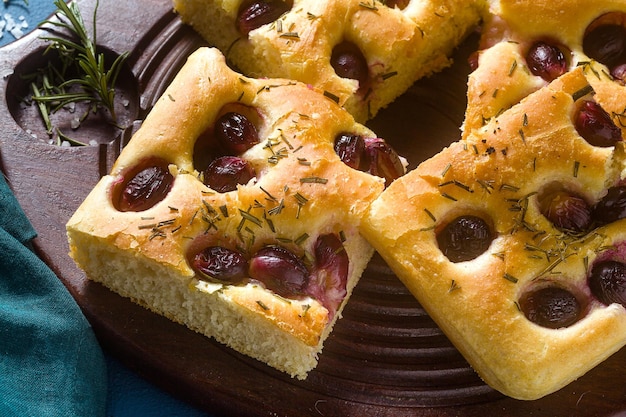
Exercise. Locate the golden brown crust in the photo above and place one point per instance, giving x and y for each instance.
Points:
(408, 44)
(499, 173)
(302, 190)
(503, 78)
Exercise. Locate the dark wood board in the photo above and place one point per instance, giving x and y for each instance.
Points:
(386, 357)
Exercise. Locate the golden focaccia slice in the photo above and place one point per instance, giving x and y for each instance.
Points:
(363, 54)
(527, 44)
(231, 212)
(514, 241)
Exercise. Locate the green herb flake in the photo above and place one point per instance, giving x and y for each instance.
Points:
(511, 278)
(331, 96)
(313, 180)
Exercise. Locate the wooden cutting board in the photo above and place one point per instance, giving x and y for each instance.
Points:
(386, 357)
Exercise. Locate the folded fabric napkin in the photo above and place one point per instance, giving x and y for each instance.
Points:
(50, 361)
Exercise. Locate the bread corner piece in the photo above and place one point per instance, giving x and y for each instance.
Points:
(500, 174)
(400, 46)
(301, 191)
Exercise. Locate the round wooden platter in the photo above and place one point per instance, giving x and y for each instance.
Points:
(386, 357)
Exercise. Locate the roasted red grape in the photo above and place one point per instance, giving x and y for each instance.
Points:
(607, 282)
(546, 61)
(280, 270)
(146, 188)
(349, 62)
(612, 207)
(465, 238)
(551, 307)
(595, 125)
(328, 281)
(254, 14)
(225, 173)
(351, 149)
(217, 263)
(566, 211)
(383, 160)
(236, 133)
(606, 44)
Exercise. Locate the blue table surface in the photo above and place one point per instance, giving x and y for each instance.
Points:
(128, 393)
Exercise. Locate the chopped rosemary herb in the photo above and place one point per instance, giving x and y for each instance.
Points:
(487, 185)
(313, 180)
(446, 169)
(290, 35)
(511, 278)
(576, 168)
(301, 201)
(246, 216)
(389, 75)
(369, 6)
(582, 92)
(453, 286)
(301, 239)
(508, 187)
(513, 67)
(331, 96)
(431, 215)
(448, 196)
(224, 210)
(262, 305)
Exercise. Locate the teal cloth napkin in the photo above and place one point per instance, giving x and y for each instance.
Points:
(50, 361)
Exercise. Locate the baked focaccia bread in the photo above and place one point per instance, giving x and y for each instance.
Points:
(363, 54)
(514, 241)
(526, 44)
(234, 210)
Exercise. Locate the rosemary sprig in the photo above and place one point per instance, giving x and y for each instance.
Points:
(92, 81)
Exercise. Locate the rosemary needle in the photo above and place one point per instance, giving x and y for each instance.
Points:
(93, 82)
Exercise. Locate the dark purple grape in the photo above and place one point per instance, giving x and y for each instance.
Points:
(546, 61)
(349, 62)
(254, 14)
(351, 149)
(236, 133)
(328, 281)
(217, 263)
(606, 44)
(280, 270)
(551, 307)
(607, 282)
(612, 207)
(619, 73)
(400, 4)
(465, 238)
(146, 188)
(595, 125)
(225, 173)
(566, 211)
(383, 160)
